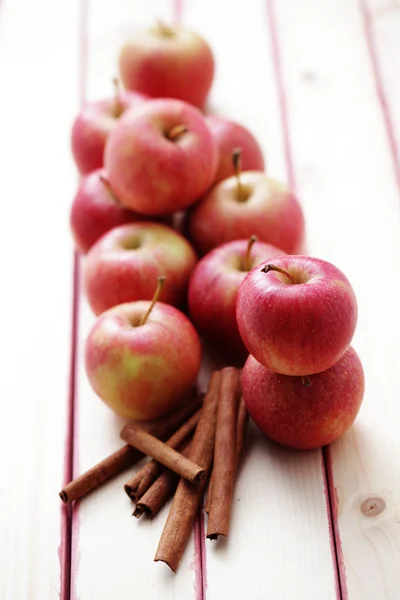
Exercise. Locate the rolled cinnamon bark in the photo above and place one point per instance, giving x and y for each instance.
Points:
(127, 456)
(145, 477)
(160, 491)
(225, 454)
(167, 456)
(187, 498)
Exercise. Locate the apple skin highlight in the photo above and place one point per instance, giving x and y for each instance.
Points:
(213, 289)
(153, 174)
(142, 371)
(230, 135)
(93, 125)
(297, 329)
(168, 62)
(304, 416)
(269, 210)
(125, 262)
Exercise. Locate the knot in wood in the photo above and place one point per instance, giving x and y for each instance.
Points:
(373, 506)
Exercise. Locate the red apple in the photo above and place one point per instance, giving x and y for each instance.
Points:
(168, 62)
(142, 367)
(213, 289)
(297, 314)
(304, 413)
(93, 125)
(124, 263)
(248, 203)
(230, 135)
(95, 210)
(161, 157)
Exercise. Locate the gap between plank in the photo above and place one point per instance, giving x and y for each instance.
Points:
(336, 549)
(367, 19)
(70, 514)
(67, 510)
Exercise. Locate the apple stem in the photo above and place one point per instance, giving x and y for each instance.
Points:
(118, 109)
(305, 381)
(177, 132)
(269, 268)
(247, 257)
(160, 284)
(106, 182)
(237, 165)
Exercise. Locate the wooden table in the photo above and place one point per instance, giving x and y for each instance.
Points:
(319, 84)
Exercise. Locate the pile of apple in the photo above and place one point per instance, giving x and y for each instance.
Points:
(163, 184)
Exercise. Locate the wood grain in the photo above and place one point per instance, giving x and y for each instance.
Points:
(345, 176)
(272, 532)
(112, 552)
(39, 96)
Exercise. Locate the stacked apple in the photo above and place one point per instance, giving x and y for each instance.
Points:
(302, 383)
(149, 154)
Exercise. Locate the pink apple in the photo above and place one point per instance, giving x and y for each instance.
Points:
(93, 125)
(213, 289)
(168, 62)
(297, 323)
(230, 135)
(161, 157)
(95, 210)
(123, 265)
(304, 414)
(142, 371)
(257, 205)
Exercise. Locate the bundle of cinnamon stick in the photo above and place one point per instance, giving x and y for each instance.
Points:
(203, 444)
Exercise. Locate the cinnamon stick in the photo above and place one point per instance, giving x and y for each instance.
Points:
(127, 456)
(144, 478)
(160, 491)
(167, 456)
(187, 498)
(225, 454)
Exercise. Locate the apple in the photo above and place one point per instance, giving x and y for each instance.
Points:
(245, 204)
(161, 158)
(124, 263)
(141, 358)
(296, 314)
(304, 415)
(230, 135)
(213, 289)
(93, 125)
(168, 62)
(95, 210)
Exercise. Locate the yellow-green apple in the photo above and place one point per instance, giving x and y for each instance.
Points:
(230, 135)
(93, 125)
(167, 62)
(161, 157)
(304, 415)
(96, 210)
(296, 314)
(245, 204)
(213, 289)
(142, 363)
(123, 265)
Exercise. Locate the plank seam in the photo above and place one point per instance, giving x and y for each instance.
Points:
(71, 512)
(66, 521)
(331, 509)
(336, 551)
(379, 86)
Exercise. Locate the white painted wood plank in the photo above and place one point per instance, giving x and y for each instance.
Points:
(347, 183)
(279, 543)
(112, 552)
(382, 26)
(38, 57)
